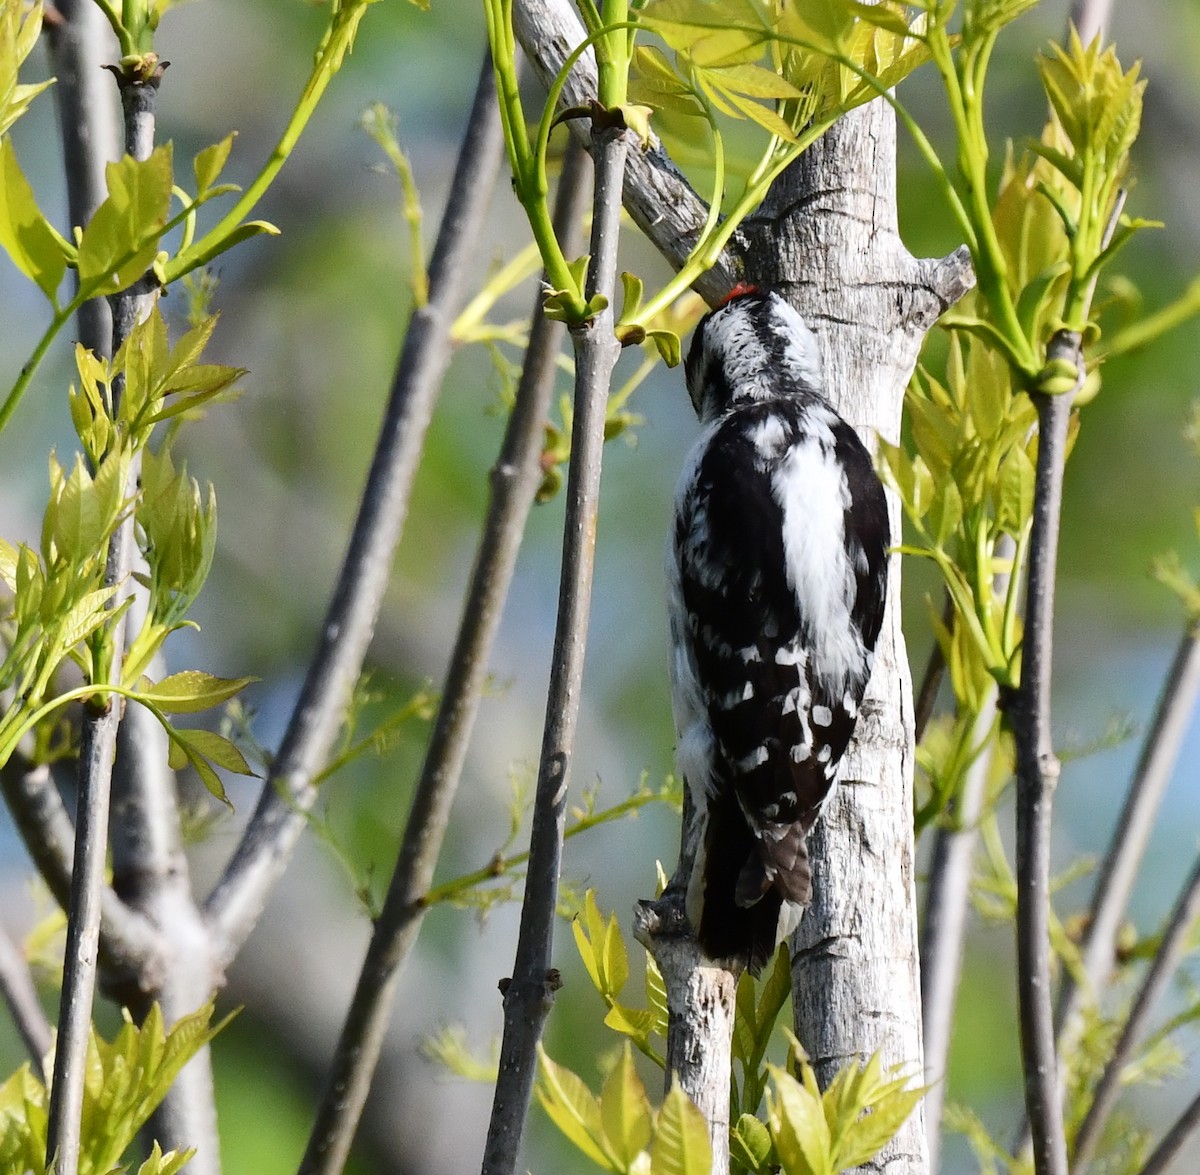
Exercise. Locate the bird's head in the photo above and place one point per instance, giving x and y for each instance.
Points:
(751, 346)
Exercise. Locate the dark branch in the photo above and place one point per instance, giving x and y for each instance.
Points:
(98, 741)
(528, 995)
(1037, 777)
(289, 791)
(20, 994)
(515, 479)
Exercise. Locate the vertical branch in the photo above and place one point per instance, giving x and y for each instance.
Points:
(98, 741)
(515, 479)
(529, 993)
(79, 39)
(16, 986)
(1037, 777)
(237, 900)
(944, 927)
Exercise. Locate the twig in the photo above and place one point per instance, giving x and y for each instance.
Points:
(659, 200)
(1037, 777)
(1131, 833)
(515, 479)
(529, 993)
(943, 931)
(98, 742)
(1171, 951)
(16, 985)
(266, 846)
(87, 113)
(1175, 1140)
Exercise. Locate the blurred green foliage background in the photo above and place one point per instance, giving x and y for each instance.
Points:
(317, 316)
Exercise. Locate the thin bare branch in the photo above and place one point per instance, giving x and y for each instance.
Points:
(659, 200)
(81, 41)
(1175, 1140)
(1131, 833)
(529, 993)
(289, 791)
(1166, 960)
(515, 479)
(931, 679)
(1037, 777)
(944, 926)
(20, 994)
(98, 741)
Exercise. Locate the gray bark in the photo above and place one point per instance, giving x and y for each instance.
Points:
(827, 238)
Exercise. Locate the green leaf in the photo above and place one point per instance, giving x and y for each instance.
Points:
(656, 995)
(203, 748)
(763, 115)
(121, 241)
(636, 1023)
(755, 82)
(209, 163)
(945, 513)
(631, 301)
(85, 617)
(798, 1126)
(668, 345)
(168, 1164)
(882, 16)
(19, 32)
(193, 690)
(1014, 491)
(934, 434)
(573, 1109)
(625, 1111)
(35, 248)
(681, 1144)
(750, 1145)
(8, 564)
(218, 749)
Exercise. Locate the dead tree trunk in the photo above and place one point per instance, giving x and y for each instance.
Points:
(827, 239)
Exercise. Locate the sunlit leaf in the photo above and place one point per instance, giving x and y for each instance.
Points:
(573, 1108)
(35, 248)
(209, 163)
(193, 690)
(625, 1110)
(681, 1144)
(121, 240)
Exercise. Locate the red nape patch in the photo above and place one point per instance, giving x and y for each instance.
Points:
(737, 291)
